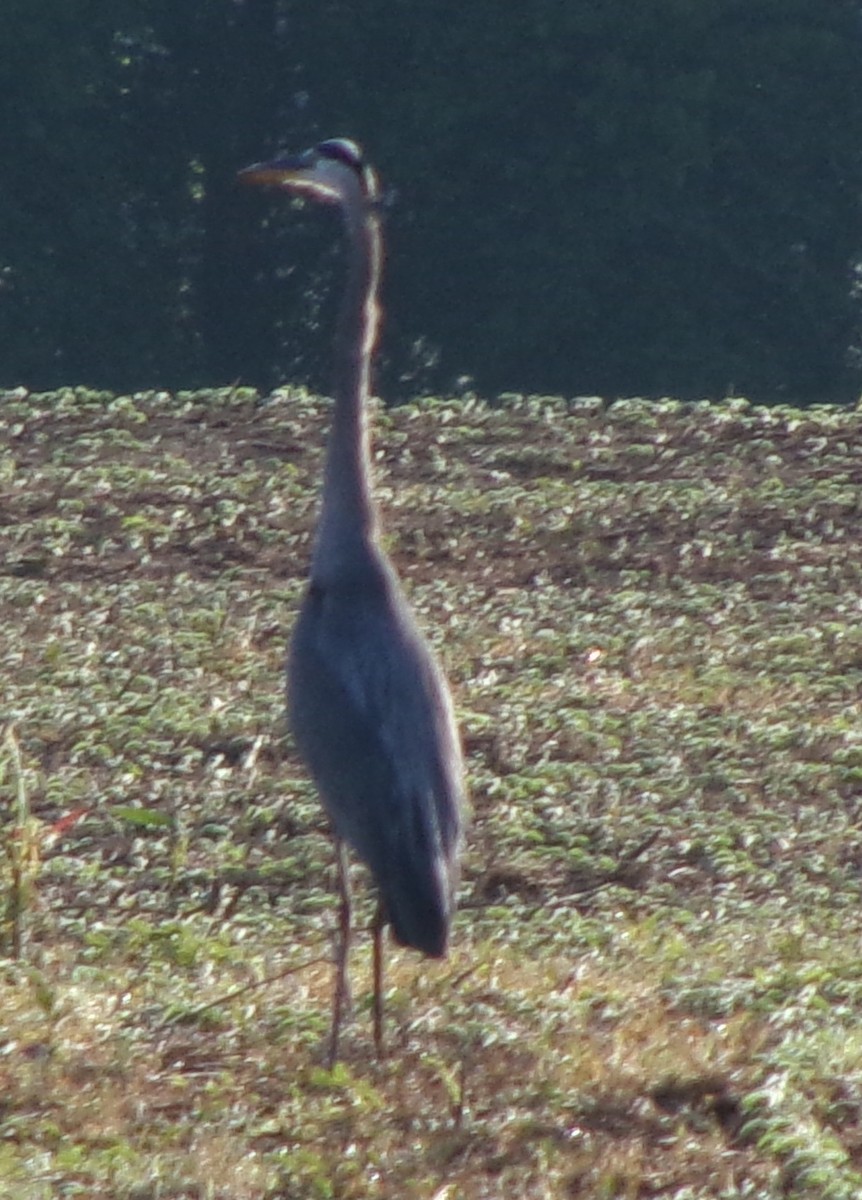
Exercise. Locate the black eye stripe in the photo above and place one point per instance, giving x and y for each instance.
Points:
(344, 151)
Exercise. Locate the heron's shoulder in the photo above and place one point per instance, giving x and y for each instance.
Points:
(363, 582)
(359, 620)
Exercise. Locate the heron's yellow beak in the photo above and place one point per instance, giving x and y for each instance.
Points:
(273, 174)
(303, 174)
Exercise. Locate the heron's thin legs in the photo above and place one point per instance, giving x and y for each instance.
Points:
(377, 934)
(341, 991)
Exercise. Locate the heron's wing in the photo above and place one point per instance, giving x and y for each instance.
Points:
(369, 707)
(372, 718)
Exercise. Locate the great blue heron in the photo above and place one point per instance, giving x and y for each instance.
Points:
(368, 703)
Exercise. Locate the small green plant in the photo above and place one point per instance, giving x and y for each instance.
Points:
(21, 845)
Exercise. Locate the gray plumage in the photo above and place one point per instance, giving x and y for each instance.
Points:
(368, 703)
(372, 719)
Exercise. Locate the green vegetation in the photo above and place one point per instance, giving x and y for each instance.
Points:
(663, 193)
(650, 616)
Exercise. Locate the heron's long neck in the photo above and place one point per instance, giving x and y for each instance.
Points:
(348, 518)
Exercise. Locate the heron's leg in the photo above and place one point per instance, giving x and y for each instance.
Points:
(341, 992)
(377, 934)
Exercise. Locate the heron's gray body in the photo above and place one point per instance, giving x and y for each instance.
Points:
(372, 719)
(369, 706)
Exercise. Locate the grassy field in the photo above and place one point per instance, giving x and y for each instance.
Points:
(650, 614)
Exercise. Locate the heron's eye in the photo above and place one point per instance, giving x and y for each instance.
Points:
(344, 151)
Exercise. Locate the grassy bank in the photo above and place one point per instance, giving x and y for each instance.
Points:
(650, 614)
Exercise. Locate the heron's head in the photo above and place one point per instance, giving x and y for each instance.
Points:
(333, 172)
